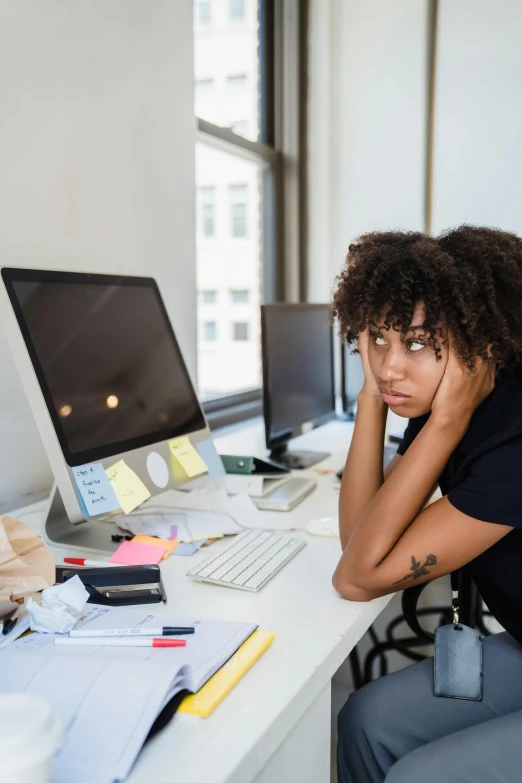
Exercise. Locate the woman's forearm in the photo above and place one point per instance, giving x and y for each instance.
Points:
(363, 473)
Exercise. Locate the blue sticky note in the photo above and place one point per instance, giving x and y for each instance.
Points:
(188, 549)
(95, 489)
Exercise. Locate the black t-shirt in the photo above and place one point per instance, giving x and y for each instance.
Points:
(483, 479)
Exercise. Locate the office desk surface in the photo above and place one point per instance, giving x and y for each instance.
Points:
(315, 631)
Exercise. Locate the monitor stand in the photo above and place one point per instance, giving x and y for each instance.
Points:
(92, 536)
(297, 460)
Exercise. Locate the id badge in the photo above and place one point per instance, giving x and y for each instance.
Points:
(457, 662)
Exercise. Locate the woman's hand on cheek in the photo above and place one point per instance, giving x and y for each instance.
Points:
(370, 387)
(460, 391)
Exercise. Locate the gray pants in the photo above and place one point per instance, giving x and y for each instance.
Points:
(395, 729)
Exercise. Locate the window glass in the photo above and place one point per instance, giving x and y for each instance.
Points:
(238, 206)
(226, 64)
(239, 296)
(228, 267)
(209, 330)
(240, 330)
(209, 297)
(237, 9)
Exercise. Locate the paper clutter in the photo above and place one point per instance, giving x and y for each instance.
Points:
(61, 607)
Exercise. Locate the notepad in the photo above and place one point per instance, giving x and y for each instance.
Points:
(131, 553)
(184, 452)
(96, 492)
(107, 698)
(129, 488)
(168, 546)
(205, 701)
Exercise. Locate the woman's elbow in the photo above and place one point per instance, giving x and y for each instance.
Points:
(348, 591)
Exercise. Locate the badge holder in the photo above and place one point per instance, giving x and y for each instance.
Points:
(457, 660)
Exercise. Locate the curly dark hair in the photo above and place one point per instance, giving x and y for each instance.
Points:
(469, 280)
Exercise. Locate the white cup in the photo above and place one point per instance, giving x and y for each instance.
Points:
(30, 735)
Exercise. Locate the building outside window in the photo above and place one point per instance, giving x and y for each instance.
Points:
(245, 213)
(206, 209)
(240, 331)
(239, 296)
(237, 10)
(209, 297)
(202, 13)
(209, 331)
(238, 208)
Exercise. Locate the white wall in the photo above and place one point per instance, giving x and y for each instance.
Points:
(96, 167)
(367, 132)
(367, 126)
(478, 115)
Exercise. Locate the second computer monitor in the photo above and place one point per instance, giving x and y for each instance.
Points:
(298, 377)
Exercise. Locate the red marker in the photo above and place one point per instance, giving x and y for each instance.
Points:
(129, 641)
(81, 561)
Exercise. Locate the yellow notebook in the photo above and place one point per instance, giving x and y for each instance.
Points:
(205, 701)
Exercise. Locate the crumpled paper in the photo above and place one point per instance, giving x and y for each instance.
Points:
(26, 564)
(60, 608)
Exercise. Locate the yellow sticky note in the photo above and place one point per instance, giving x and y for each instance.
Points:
(184, 452)
(169, 546)
(129, 488)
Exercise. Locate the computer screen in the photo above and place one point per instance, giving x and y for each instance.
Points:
(298, 372)
(106, 359)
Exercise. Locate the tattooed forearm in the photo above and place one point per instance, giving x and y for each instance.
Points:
(417, 569)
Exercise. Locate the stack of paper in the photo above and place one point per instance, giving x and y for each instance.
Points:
(109, 697)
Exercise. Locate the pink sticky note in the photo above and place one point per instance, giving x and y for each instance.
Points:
(131, 553)
(173, 532)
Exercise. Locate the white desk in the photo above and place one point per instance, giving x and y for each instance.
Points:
(274, 727)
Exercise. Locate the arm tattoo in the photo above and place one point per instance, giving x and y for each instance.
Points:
(418, 569)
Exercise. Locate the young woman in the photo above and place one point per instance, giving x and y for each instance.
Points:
(439, 329)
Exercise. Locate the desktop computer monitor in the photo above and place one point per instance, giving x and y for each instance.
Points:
(352, 379)
(298, 377)
(106, 381)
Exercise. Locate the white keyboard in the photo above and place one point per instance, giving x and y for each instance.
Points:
(250, 562)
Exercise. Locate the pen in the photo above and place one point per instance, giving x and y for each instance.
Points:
(129, 642)
(92, 563)
(82, 633)
(9, 623)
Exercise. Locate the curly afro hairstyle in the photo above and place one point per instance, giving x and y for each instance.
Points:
(469, 280)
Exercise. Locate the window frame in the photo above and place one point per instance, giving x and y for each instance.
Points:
(281, 154)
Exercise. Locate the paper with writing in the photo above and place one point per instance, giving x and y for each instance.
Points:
(184, 452)
(129, 488)
(95, 489)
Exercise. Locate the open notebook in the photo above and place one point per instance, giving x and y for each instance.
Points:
(109, 697)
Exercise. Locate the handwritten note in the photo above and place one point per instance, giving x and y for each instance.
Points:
(129, 488)
(168, 546)
(184, 452)
(95, 489)
(129, 553)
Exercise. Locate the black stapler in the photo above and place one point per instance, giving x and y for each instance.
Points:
(120, 585)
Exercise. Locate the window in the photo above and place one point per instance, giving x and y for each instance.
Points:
(209, 297)
(209, 331)
(202, 13)
(239, 296)
(248, 92)
(238, 206)
(237, 9)
(204, 88)
(237, 84)
(206, 209)
(240, 330)
(240, 127)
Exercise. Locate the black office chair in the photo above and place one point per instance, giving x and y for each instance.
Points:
(471, 613)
